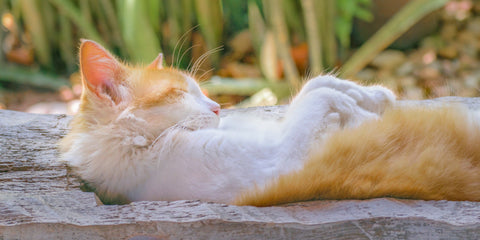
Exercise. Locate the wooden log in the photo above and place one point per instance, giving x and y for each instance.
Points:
(39, 199)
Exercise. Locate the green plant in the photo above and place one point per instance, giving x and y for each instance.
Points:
(138, 30)
(347, 10)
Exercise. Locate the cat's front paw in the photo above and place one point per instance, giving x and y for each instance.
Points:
(371, 98)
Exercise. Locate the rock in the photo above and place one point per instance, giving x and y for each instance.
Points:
(472, 80)
(366, 75)
(40, 199)
(448, 31)
(405, 69)
(410, 90)
(389, 59)
(429, 73)
(414, 93)
(473, 26)
(432, 42)
(469, 44)
(449, 51)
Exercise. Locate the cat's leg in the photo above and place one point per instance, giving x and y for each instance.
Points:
(371, 98)
(311, 118)
(324, 109)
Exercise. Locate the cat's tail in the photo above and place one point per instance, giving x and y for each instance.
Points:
(417, 153)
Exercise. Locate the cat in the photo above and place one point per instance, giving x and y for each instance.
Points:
(149, 133)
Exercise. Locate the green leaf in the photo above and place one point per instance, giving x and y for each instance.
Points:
(140, 38)
(364, 14)
(36, 27)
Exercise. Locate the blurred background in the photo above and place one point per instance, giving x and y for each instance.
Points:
(244, 53)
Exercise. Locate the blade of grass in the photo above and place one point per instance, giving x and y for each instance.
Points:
(326, 15)
(49, 16)
(3, 9)
(280, 31)
(32, 77)
(187, 20)
(293, 18)
(174, 13)
(16, 8)
(185, 24)
(86, 27)
(328, 37)
(114, 25)
(100, 21)
(66, 43)
(153, 10)
(313, 37)
(35, 26)
(140, 39)
(210, 17)
(256, 26)
(85, 10)
(411, 13)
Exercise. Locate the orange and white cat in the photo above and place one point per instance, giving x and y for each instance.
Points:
(150, 134)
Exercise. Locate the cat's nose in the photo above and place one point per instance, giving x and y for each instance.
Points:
(212, 105)
(215, 109)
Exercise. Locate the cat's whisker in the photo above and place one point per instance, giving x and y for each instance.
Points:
(182, 39)
(199, 62)
(205, 83)
(205, 73)
(185, 52)
(196, 65)
(191, 64)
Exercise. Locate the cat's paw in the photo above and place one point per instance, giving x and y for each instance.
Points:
(371, 98)
(333, 106)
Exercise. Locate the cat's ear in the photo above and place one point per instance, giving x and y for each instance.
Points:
(100, 70)
(157, 63)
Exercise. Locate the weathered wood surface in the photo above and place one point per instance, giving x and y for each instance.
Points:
(40, 200)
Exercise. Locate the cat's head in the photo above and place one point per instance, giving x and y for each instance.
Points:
(161, 97)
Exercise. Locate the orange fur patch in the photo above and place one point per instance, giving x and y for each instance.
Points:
(149, 86)
(418, 153)
(159, 86)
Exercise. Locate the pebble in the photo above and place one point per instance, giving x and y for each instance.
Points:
(389, 59)
(450, 51)
(473, 26)
(445, 63)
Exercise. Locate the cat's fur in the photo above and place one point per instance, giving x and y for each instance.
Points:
(150, 134)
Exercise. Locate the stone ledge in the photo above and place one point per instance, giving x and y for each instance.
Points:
(40, 200)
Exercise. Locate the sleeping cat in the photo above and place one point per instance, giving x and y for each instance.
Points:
(148, 133)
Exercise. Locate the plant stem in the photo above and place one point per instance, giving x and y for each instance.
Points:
(244, 87)
(35, 27)
(142, 43)
(73, 13)
(22, 75)
(313, 37)
(411, 13)
(3, 7)
(283, 43)
(256, 26)
(113, 23)
(66, 43)
(210, 18)
(326, 8)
